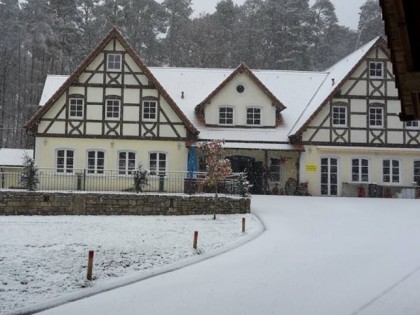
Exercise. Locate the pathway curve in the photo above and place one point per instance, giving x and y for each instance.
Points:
(317, 256)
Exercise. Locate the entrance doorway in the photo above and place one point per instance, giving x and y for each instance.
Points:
(254, 169)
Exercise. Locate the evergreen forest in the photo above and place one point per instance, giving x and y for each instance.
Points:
(40, 37)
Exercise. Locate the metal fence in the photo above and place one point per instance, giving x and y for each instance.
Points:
(118, 181)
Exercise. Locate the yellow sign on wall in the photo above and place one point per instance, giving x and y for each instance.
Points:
(311, 168)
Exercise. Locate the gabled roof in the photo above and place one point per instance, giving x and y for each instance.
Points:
(242, 68)
(113, 34)
(339, 73)
(304, 93)
(294, 88)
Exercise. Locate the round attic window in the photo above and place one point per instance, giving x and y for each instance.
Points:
(240, 88)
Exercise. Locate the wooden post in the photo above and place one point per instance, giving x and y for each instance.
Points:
(90, 265)
(243, 225)
(195, 239)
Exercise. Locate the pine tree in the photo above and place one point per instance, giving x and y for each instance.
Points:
(29, 178)
(141, 178)
(176, 42)
(243, 185)
(370, 22)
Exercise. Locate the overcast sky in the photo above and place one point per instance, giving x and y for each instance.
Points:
(347, 10)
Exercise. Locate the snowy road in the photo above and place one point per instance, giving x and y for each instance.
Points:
(317, 256)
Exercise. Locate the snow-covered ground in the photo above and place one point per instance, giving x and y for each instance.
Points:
(317, 256)
(42, 258)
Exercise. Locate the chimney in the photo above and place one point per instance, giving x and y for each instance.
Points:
(182, 94)
(333, 81)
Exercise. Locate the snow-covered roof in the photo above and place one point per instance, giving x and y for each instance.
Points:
(13, 157)
(302, 92)
(52, 84)
(293, 88)
(338, 73)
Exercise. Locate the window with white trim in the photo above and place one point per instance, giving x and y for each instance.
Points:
(157, 163)
(114, 62)
(391, 171)
(226, 115)
(253, 116)
(339, 116)
(150, 110)
(96, 162)
(126, 162)
(360, 170)
(376, 70)
(412, 124)
(416, 166)
(113, 108)
(376, 116)
(275, 170)
(76, 107)
(65, 161)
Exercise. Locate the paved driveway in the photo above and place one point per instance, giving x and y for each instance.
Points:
(317, 256)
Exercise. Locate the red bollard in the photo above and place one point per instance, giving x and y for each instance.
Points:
(195, 239)
(90, 265)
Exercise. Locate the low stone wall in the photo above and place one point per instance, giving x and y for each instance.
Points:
(75, 203)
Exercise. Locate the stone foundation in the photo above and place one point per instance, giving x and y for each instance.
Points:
(75, 203)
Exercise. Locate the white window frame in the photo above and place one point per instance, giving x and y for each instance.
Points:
(65, 168)
(97, 168)
(75, 109)
(376, 69)
(376, 117)
(275, 171)
(416, 169)
(114, 65)
(126, 169)
(225, 118)
(391, 173)
(158, 171)
(412, 124)
(254, 114)
(148, 112)
(360, 167)
(336, 116)
(111, 108)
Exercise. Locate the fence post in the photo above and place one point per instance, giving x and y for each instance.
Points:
(195, 239)
(243, 225)
(90, 265)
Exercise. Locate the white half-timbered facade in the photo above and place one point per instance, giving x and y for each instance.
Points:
(336, 132)
(110, 115)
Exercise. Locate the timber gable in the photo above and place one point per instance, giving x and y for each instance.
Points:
(240, 91)
(362, 110)
(123, 101)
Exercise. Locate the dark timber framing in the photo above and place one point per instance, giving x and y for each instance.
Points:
(110, 80)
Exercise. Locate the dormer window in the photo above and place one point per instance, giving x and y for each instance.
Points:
(376, 70)
(226, 116)
(253, 116)
(114, 62)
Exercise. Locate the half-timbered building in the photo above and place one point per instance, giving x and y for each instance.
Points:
(108, 116)
(337, 130)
